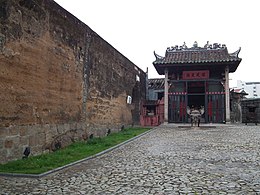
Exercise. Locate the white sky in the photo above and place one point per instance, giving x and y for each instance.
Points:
(138, 27)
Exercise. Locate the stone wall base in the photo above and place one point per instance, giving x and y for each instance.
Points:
(46, 138)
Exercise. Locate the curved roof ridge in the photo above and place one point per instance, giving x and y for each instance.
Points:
(209, 53)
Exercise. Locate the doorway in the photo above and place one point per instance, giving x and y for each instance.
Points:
(196, 96)
(196, 101)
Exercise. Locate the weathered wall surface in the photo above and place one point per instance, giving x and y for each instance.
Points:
(251, 110)
(59, 80)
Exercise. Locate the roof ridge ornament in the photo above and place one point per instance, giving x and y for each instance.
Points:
(158, 57)
(207, 45)
(235, 54)
(184, 46)
(195, 44)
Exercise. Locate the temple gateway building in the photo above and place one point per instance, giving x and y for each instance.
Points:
(197, 77)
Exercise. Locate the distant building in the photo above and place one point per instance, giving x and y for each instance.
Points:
(251, 88)
(152, 109)
(155, 89)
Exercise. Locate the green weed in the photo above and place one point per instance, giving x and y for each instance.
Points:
(76, 151)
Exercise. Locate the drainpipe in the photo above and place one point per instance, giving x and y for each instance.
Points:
(147, 88)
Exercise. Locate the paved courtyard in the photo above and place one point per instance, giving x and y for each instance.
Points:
(168, 160)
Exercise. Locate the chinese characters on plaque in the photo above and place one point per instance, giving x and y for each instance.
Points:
(197, 74)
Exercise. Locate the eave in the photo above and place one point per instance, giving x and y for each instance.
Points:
(172, 67)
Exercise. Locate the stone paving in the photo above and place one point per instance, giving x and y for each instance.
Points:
(168, 160)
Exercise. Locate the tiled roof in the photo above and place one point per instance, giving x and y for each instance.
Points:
(207, 54)
(156, 83)
(150, 102)
(237, 90)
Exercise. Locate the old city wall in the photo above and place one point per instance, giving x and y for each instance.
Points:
(59, 80)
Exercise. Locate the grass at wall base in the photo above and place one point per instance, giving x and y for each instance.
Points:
(76, 151)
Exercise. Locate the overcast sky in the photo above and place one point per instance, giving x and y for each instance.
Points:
(136, 28)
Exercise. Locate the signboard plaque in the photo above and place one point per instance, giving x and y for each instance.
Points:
(195, 75)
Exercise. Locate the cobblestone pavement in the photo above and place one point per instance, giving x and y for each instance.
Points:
(168, 160)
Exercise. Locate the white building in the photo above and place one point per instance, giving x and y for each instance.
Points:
(252, 88)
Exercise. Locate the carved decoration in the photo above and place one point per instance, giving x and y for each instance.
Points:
(196, 47)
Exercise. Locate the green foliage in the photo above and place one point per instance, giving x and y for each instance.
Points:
(76, 151)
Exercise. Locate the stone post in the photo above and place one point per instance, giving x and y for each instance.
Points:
(166, 88)
(227, 97)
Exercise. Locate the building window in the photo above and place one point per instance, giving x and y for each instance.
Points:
(129, 99)
(137, 78)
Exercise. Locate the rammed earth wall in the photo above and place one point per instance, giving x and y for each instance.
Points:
(59, 80)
